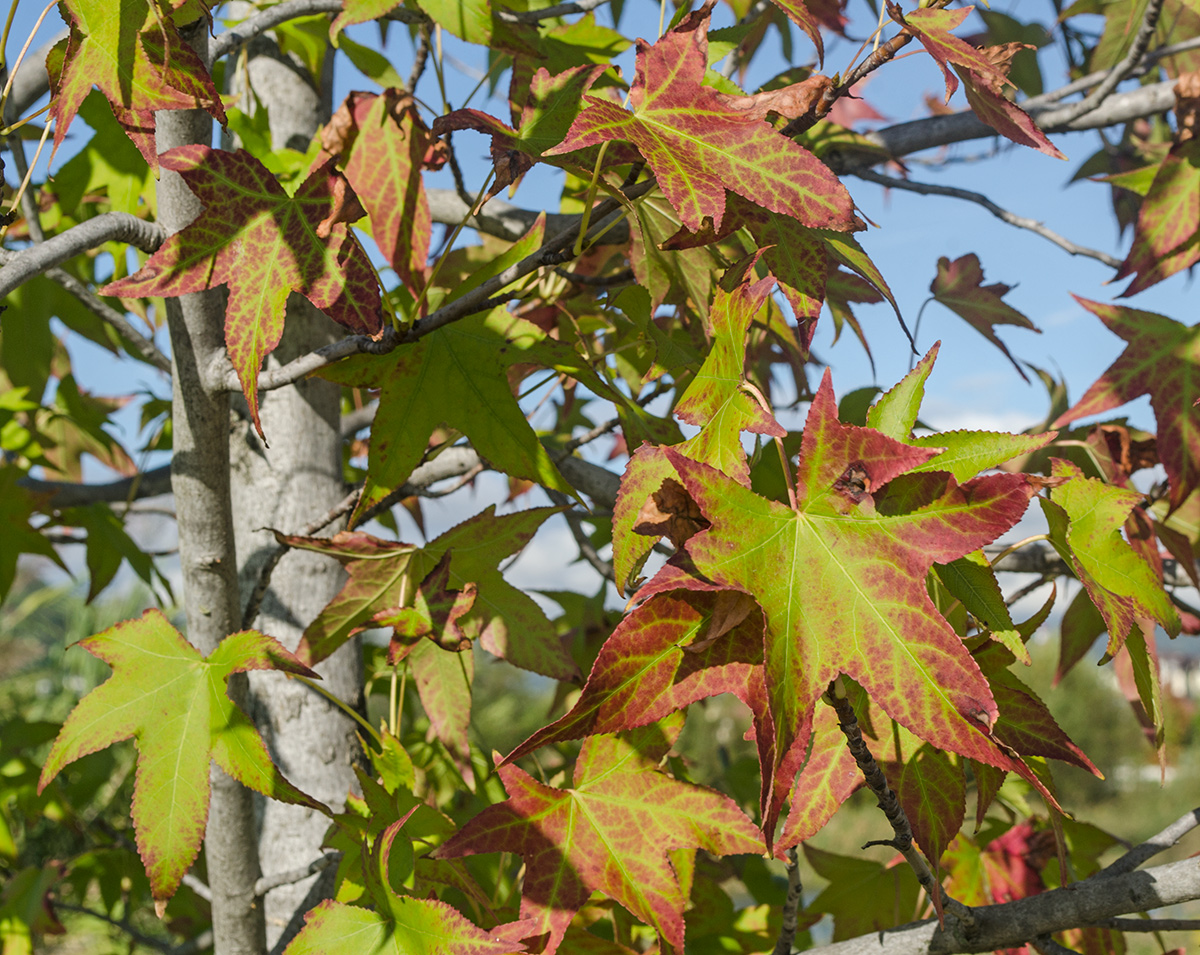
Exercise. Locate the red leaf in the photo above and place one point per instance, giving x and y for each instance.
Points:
(698, 145)
(1162, 359)
(610, 833)
(959, 287)
(985, 93)
(262, 243)
(932, 28)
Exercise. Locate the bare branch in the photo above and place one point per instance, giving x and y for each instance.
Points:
(558, 10)
(1161, 842)
(503, 219)
(896, 816)
(1021, 222)
(1013, 923)
(109, 227)
(1149, 925)
(200, 888)
(1047, 946)
(791, 906)
(1122, 69)
(553, 252)
(299, 874)
(354, 421)
(101, 309)
(70, 494)
(29, 207)
(272, 17)
(575, 523)
(1043, 559)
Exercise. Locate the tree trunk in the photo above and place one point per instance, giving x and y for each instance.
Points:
(285, 486)
(200, 482)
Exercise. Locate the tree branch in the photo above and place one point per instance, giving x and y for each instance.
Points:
(1160, 842)
(272, 17)
(108, 227)
(554, 251)
(63, 494)
(504, 220)
(1021, 222)
(896, 816)
(137, 342)
(1014, 923)
(299, 874)
(791, 906)
(1121, 70)
(558, 10)
(1149, 925)
(586, 550)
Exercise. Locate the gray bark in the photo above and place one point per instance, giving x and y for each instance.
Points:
(200, 482)
(285, 486)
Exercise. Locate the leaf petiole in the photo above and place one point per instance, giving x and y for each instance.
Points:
(585, 221)
(341, 705)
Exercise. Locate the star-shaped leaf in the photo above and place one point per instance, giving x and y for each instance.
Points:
(382, 144)
(133, 53)
(841, 580)
(1162, 359)
(610, 833)
(959, 286)
(454, 376)
(1085, 517)
(174, 703)
(263, 244)
(383, 575)
(698, 144)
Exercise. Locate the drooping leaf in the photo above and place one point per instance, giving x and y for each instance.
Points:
(933, 790)
(698, 145)
(932, 28)
(959, 286)
(1162, 359)
(17, 506)
(863, 896)
(359, 11)
(382, 144)
(1166, 238)
(654, 664)
(985, 93)
(454, 376)
(507, 622)
(133, 53)
(262, 244)
(1085, 517)
(610, 832)
(174, 703)
(972, 580)
(842, 580)
(827, 779)
(716, 399)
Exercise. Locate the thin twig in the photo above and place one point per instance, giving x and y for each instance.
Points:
(200, 888)
(1148, 925)
(1047, 946)
(896, 816)
(1021, 222)
(1121, 70)
(623, 277)
(136, 936)
(107, 227)
(1028, 589)
(554, 251)
(547, 13)
(791, 906)
(263, 584)
(272, 17)
(734, 60)
(29, 207)
(1161, 842)
(575, 523)
(61, 494)
(421, 55)
(292, 876)
(138, 342)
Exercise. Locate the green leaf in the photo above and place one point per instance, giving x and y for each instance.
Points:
(173, 702)
(972, 580)
(17, 506)
(862, 896)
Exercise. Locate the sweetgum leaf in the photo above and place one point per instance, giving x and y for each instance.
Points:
(454, 376)
(651, 666)
(933, 791)
(862, 896)
(382, 144)
(133, 53)
(715, 399)
(827, 779)
(932, 28)
(174, 703)
(610, 833)
(698, 145)
(842, 580)
(985, 93)
(264, 245)
(1085, 517)
(17, 506)
(1162, 359)
(507, 621)
(959, 286)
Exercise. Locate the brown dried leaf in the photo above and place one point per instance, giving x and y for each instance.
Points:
(670, 512)
(1187, 106)
(789, 102)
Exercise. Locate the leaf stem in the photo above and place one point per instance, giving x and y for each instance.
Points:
(25, 49)
(16, 200)
(757, 395)
(1017, 546)
(341, 705)
(481, 198)
(590, 198)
